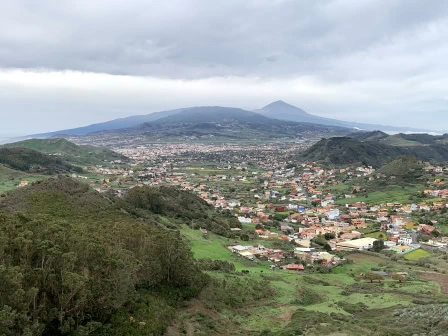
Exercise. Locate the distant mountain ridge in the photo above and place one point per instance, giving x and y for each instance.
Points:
(225, 122)
(347, 150)
(277, 110)
(285, 111)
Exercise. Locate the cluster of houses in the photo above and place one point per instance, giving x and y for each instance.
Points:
(307, 256)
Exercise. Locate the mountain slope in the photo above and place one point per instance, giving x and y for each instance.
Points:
(87, 264)
(406, 166)
(29, 160)
(276, 110)
(284, 111)
(229, 123)
(401, 139)
(346, 150)
(78, 154)
(212, 114)
(111, 125)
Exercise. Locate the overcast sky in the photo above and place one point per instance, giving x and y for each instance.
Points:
(65, 64)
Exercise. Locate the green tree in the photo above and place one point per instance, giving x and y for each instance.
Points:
(378, 245)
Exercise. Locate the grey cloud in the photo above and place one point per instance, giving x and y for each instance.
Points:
(201, 38)
(360, 60)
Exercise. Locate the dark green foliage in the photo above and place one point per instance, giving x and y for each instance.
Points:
(315, 281)
(307, 297)
(342, 151)
(71, 261)
(244, 237)
(149, 310)
(329, 236)
(320, 240)
(378, 245)
(395, 321)
(216, 265)
(234, 291)
(405, 167)
(185, 206)
(353, 308)
(345, 150)
(369, 136)
(29, 160)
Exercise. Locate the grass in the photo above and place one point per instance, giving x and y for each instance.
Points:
(417, 254)
(393, 193)
(10, 178)
(275, 313)
(377, 235)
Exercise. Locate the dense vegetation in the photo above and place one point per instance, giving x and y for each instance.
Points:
(430, 319)
(347, 150)
(404, 167)
(29, 160)
(77, 154)
(184, 206)
(74, 262)
(401, 139)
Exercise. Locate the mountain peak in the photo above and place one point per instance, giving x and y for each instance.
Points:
(279, 104)
(282, 110)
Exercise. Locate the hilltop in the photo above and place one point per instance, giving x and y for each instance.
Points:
(32, 161)
(344, 150)
(401, 139)
(76, 154)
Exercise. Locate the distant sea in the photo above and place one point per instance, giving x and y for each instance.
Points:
(5, 139)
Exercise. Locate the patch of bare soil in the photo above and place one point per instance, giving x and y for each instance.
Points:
(442, 279)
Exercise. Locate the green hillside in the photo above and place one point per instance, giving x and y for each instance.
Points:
(74, 262)
(347, 150)
(76, 154)
(344, 150)
(407, 166)
(32, 161)
(183, 206)
(401, 139)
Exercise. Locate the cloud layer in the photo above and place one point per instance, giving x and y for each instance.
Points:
(77, 62)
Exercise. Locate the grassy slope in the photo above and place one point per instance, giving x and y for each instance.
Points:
(417, 254)
(275, 313)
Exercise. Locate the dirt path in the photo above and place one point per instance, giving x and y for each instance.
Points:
(442, 279)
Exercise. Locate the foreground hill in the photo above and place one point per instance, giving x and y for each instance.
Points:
(32, 161)
(76, 262)
(346, 150)
(284, 111)
(77, 154)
